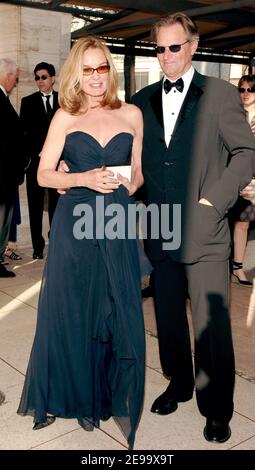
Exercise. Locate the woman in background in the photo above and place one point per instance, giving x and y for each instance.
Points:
(243, 211)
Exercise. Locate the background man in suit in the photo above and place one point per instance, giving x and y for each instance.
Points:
(36, 113)
(11, 154)
(198, 152)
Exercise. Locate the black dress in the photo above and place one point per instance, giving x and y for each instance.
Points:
(87, 359)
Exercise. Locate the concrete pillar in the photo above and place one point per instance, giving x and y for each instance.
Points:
(129, 74)
(29, 36)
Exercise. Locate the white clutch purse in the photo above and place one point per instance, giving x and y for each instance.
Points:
(124, 170)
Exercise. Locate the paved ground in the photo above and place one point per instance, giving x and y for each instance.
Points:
(181, 430)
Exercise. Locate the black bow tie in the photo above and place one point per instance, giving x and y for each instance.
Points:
(179, 85)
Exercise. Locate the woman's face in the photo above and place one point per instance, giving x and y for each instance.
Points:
(94, 82)
(247, 97)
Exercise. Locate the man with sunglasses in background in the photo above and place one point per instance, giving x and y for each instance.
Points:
(36, 113)
(198, 153)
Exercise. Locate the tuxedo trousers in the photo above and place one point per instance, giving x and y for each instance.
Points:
(35, 197)
(6, 211)
(206, 286)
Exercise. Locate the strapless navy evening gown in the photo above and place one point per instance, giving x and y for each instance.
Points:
(87, 359)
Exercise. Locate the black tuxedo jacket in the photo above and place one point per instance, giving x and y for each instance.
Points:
(12, 155)
(211, 155)
(36, 124)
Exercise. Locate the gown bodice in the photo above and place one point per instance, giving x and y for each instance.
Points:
(82, 152)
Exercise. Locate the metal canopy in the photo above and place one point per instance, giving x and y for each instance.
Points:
(227, 28)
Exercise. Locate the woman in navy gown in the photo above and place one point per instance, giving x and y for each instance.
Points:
(87, 359)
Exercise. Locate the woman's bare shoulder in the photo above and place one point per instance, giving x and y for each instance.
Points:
(63, 119)
(62, 115)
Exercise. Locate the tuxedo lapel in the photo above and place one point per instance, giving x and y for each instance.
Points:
(2, 95)
(190, 101)
(6, 103)
(5, 99)
(39, 107)
(193, 95)
(156, 104)
(55, 101)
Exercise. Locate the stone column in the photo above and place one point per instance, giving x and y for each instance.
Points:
(129, 74)
(30, 36)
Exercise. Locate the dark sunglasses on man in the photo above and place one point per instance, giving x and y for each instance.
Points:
(249, 90)
(172, 48)
(41, 77)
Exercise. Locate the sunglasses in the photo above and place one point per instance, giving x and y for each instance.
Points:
(101, 69)
(249, 90)
(42, 77)
(173, 48)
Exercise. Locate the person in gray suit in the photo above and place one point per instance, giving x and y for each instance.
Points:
(198, 154)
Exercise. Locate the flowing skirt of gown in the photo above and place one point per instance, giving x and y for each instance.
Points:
(87, 359)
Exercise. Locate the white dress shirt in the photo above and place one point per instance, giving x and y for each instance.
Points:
(44, 99)
(172, 102)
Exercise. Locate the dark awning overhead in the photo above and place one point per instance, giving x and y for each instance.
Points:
(227, 28)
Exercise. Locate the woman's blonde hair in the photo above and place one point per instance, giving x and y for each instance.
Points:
(71, 95)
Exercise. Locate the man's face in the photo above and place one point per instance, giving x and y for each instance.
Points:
(44, 81)
(175, 64)
(247, 97)
(11, 81)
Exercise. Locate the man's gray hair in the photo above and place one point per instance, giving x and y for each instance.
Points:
(8, 66)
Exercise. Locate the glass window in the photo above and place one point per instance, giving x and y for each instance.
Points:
(141, 80)
(121, 81)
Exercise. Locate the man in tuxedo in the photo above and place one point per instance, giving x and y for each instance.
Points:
(36, 113)
(198, 153)
(11, 154)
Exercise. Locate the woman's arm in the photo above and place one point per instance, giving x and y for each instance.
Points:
(135, 116)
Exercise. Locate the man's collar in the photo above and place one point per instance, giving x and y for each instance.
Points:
(187, 76)
(4, 90)
(44, 94)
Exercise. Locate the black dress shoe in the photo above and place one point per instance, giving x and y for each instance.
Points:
(38, 255)
(106, 417)
(49, 420)
(5, 273)
(86, 424)
(164, 405)
(216, 431)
